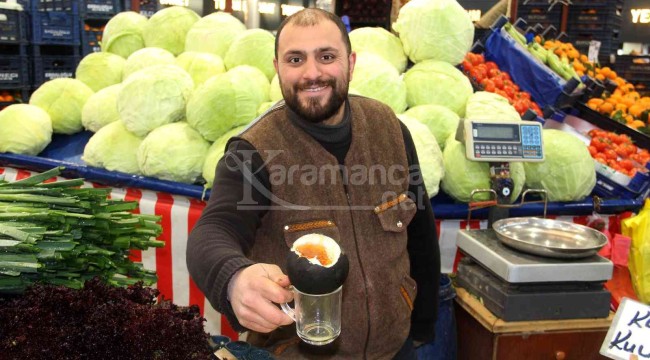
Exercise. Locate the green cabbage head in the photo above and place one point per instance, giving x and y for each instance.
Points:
(483, 105)
(201, 66)
(438, 83)
(215, 153)
(167, 28)
(262, 85)
(429, 154)
(568, 172)
(376, 78)
(146, 57)
(113, 148)
(379, 41)
(154, 96)
(63, 99)
(174, 152)
(255, 47)
(214, 33)
(101, 108)
(275, 93)
(26, 129)
(123, 33)
(101, 69)
(222, 103)
(462, 175)
(435, 30)
(441, 121)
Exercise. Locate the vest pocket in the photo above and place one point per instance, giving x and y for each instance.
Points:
(408, 288)
(294, 231)
(395, 215)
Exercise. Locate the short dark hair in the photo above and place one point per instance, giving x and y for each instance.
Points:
(311, 17)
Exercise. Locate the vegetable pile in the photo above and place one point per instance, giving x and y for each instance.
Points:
(58, 233)
(99, 322)
(618, 152)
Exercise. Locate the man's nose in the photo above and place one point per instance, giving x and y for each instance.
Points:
(312, 69)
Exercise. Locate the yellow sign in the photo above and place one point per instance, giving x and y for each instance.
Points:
(640, 16)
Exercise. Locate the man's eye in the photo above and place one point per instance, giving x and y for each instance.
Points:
(328, 57)
(294, 60)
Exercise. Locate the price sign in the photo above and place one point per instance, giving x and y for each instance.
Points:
(629, 336)
(594, 49)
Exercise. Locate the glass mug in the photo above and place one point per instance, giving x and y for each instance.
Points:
(317, 317)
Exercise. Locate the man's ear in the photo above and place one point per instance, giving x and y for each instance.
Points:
(352, 59)
(275, 64)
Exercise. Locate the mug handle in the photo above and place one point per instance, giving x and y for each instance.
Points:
(288, 310)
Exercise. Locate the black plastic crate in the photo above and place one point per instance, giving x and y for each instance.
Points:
(70, 6)
(603, 3)
(10, 95)
(14, 71)
(595, 14)
(55, 27)
(365, 12)
(147, 7)
(13, 26)
(91, 36)
(99, 8)
(53, 67)
(540, 14)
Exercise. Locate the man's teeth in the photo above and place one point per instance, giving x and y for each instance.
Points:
(315, 89)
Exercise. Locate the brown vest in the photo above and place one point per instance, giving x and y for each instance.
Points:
(368, 216)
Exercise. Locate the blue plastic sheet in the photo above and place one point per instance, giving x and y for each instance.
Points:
(543, 84)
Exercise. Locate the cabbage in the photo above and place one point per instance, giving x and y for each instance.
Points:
(222, 103)
(376, 78)
(215, 153)
(63, 99)
(438, 83)
(429, 154)
(168, 28)
(101, 69)
(380, 42)
(568, 172)
(275, 92)
(483, 105)
(26, 129)
(262, 85)
(264, 107)
(214, 33)
(435, 30)
(255, 47)
(440, 120)
(462, 175)
(123, 34)
(113, 148)
(201, 66)
(153, 97)
(147, 57)
(174, 152)
(101, 108)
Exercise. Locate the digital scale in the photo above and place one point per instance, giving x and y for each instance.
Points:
(512, 284)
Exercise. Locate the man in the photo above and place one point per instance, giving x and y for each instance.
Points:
(275, 183)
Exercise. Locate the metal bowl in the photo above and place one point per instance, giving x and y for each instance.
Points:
(550, 238)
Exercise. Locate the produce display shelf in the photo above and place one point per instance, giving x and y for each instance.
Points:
(605, 123)
(13, 27)
(66, 150)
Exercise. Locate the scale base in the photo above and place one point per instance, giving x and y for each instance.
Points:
(533, 301)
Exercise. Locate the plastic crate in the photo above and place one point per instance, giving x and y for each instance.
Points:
(366, 13)
(13, 26)
(633, 68)
(14, 71)
(595, 14)
(53, 67)
(9, 96)
(55, 27)
(612, 184)
(148, 7)
(70, 6)
(91, 36)
(540, 14)
(99, 8)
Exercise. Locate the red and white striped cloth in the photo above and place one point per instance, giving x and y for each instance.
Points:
(180, 213)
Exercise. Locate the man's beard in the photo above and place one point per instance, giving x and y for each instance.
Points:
(313, 111)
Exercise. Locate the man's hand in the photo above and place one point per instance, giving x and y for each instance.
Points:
(253, 292)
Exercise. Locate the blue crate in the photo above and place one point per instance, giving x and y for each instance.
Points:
(91, 36)
(99, 8)
(13, 26)
(52, 67)
(608, 187)
(540, 14)
(590, 14)
(14, 71)
(20, 95)
(55, 27)
(69, 6)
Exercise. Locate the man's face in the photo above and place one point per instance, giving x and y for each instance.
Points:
(314, 69)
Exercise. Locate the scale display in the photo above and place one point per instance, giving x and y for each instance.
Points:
(503, 141)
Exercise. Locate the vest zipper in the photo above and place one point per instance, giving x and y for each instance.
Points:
(363, 273)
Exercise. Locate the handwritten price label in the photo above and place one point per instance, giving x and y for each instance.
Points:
(629, 335)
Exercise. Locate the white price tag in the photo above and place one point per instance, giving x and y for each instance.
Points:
(594, 49)
(629, 335)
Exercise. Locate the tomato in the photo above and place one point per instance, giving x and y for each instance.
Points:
(599, 143)
(491, 65)
(467, 66)
(509, 90)
(626, 164)
(498, 82)
(593, 151)
(492, 73)
(488, 85)
(611, 154)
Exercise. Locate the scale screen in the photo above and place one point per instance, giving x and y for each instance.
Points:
(503, 142)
